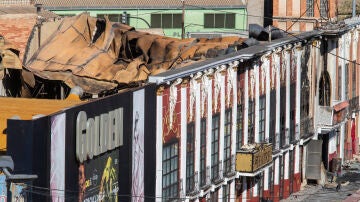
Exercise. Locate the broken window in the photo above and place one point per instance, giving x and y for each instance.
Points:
(339, 82)
(347, 81)
(115, 17)
(324, 89)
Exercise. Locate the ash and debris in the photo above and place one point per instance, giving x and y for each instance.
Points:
(335, 189)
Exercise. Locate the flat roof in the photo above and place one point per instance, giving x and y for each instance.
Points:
(26, 109)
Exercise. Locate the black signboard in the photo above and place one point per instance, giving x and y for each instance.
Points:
(98, 178)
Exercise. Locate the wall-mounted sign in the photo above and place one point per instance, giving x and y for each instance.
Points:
(254, 159)
(97, 135)
(98, 179)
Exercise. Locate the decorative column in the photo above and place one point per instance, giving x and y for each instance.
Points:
(287, 64)
(276, 72)
(220, 81)
(159, 143)
(256, 126)
(265, 70)
(297, 55)
(208, 82)
(231, 84)
(183, 137)
(195, 95)
(246, 106)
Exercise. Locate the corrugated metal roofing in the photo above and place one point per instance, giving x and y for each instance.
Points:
(120, 55)
(138, 4)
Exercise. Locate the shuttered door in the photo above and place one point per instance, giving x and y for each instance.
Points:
(313, 160)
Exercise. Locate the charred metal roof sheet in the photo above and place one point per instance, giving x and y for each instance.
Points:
(100, 55)
(243, 54)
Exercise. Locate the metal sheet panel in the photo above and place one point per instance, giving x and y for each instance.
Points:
(313, 159)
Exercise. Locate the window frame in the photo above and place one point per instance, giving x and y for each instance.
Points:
(339, 82)
(347, 66)
(203, 147)
(239, 126)
(164, 17)
(215, 136)
(228, 20)
(262, 117)
(310, 8)
(170, 190)
(251, 121)
(227, 139)
(324, 7)
(190, 157)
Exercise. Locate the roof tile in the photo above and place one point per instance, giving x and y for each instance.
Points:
(73, 4)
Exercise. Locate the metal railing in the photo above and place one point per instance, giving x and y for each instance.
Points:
(193, 188)
(217, 172)
(230, 166)
(277, 141)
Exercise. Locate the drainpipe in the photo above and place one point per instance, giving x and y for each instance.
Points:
(353, 8)
(39, 22)
(183, 20)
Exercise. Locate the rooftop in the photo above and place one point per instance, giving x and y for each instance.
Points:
(26, 109)
(99, 55)
(112, 4)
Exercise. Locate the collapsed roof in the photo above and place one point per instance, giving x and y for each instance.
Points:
(9, 56)
(99, 55)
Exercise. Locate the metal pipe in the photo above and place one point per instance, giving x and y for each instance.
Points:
(353, 8)
(182, 20)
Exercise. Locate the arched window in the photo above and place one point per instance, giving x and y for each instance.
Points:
(324, 89)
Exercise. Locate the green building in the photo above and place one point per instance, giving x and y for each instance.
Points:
(204, 18)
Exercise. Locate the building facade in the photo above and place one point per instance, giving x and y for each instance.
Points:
(226, 18)
(300, 95)
(250, 125)
(303, 15)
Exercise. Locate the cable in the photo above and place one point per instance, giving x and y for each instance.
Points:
(289, 33)
(299, 18)
(158, 197)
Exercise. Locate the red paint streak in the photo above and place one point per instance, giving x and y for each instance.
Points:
(276, 193)
(286, 191)
(297, 182)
